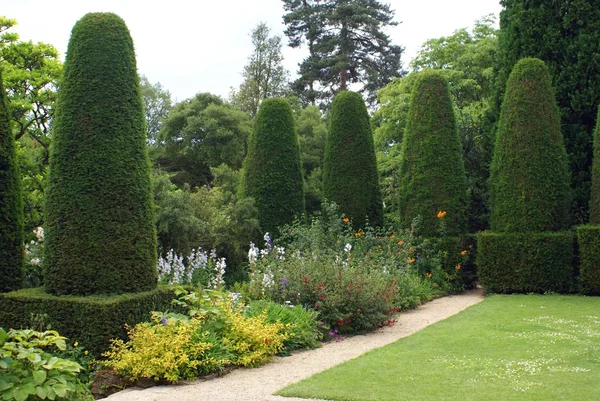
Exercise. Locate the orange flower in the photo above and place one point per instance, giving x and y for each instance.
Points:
(357, 234)
(393, 236)
(463, 252)
(441, 214)
(428, 275)
(457, 267)
(411, 260)
(400, 242)
(346, 220)
(411, 250)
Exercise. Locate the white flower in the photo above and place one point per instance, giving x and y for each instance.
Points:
(348, 247)
(35, 261)
(252, 253)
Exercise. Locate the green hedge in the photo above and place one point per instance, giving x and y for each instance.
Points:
(432, 172)
(588, 239)
(453, 246)
(350, 177)
(100, 235)
(525, 262)
(92, 320)
(11, 204)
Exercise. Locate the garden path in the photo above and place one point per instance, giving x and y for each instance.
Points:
(259, 384)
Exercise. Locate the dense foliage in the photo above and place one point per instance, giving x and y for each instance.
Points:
(529, 183)
(272, 172)
(432, 173)
(11, 204)
(100, 234)
(347, 44)
(595, 195)
(349, 166)
(588, 241)
(564, 34)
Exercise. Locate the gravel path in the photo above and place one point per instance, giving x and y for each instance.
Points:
(259, 384)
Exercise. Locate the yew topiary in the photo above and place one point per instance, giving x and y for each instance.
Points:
(350, 176)
(100, 234)
(272, 172)
(529, 183)
(432, 172)
(11, 204)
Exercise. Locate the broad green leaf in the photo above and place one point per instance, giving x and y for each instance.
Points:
(20, 394)
(39, 376)
(41, 392)
(60, 389)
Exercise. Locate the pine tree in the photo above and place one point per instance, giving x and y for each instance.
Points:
(100, 234)
(566, 36)
(272, 170)
(11, 204)
(347, 44)
(529, 184)
(432, 173)
(349, 167)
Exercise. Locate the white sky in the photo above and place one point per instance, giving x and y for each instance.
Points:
(192, 46)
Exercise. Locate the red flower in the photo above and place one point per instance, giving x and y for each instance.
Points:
(266, 341)
(340, 323)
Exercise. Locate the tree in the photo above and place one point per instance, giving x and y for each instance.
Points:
(31, 73)
(264, 75)
(432, 173)
(529, 182)
(11, 204)
(465, 59)
(157, 105)
(100, 234)
(200, 133)
(349, 167)
(565, 35)
(272, 172)
(346, 44)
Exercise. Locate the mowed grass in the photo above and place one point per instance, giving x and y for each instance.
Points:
(509, 347)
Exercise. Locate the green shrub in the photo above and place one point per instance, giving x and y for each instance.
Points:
(350, 177)
(588, 240)
(272, 170)
(529, 183)
(432, 172)
(525, 262)
(100, 234)
(300, 325)
(11, 204)
(91, 320)
(29, 370)
(595, 195)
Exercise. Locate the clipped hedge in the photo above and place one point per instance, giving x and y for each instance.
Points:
(100, 236)
(525, 262)
(11, 204)
(92, 320)
(588, 240)
(595, 195)
(529, 180)
(432, 172)
(350, 177)
(272, 172)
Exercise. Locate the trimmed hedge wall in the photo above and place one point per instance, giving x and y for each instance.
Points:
(432, 172)
(272, 172)
(595, 195)
(588, 239)
(526, 262)
(92, 320)
(11, 204)
(100, 235)
(350, 177)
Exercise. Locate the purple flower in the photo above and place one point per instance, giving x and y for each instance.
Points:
(164, 321)
(284, 282)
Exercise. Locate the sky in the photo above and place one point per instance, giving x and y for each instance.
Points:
(193, 46)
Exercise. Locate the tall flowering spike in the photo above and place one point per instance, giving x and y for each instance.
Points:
(11, 204)
(100, 234)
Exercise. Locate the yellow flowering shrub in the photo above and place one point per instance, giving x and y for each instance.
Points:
(252, 340)
(167, 349)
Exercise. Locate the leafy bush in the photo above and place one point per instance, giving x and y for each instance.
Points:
(588, 240)
(350, 176)
(100, 233)
(300, 325)
(28, 371)
(11, 204)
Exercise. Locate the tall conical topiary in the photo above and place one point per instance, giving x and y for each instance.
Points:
(595, 196)
(529, 183)
(432, 172)
(526, 251)
(100, 234)
(11, 204)
(350, 176)
(272, 170)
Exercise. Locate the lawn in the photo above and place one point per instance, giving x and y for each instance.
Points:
(509, 347)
